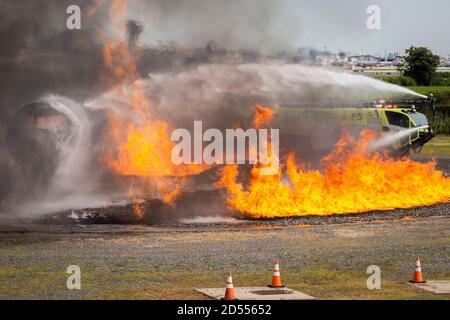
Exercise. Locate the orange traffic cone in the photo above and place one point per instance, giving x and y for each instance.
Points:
(417, 277)
(276, 278)
(229, 291)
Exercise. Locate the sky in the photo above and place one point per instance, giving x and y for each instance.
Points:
(334, 24)
(253, 24)
(403, 23)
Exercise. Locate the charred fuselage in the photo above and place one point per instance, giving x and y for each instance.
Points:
(34, 138)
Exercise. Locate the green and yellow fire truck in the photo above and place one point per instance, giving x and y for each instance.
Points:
(320, 127)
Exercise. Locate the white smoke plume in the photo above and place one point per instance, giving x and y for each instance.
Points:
(202, 91)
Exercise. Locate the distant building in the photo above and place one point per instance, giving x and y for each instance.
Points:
(386, 71)
(370, 65)
(364, 61)
(444, 62)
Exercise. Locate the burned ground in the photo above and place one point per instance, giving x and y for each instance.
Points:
(211, 203)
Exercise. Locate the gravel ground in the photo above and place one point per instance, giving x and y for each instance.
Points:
(161, 258)
(159, 263)
(171, 218)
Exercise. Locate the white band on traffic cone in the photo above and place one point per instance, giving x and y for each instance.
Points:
(229, 282)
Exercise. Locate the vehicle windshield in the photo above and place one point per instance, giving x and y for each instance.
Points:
(397, 119)
(419, 119)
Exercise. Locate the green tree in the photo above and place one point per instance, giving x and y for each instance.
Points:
(421, 64)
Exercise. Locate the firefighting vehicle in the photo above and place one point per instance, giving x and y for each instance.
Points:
(320, 127)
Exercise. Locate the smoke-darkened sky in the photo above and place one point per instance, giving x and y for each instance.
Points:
(338, 25)
(272, 24)
(39, 55)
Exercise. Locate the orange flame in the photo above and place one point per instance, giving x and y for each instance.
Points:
(141, 144)
(262, 115)
(144, 146)
(119, 62)
(117, 13)
(92, 9)
(352, 181)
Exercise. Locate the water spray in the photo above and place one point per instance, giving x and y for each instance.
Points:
(391, 138)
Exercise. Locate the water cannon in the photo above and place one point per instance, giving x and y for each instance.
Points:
(432, 101)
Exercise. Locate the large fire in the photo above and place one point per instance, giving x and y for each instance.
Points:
(140, 144)
(143, 145)
(353, 180)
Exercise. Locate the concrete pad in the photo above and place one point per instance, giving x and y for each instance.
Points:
(257, 293)
(435, 286)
